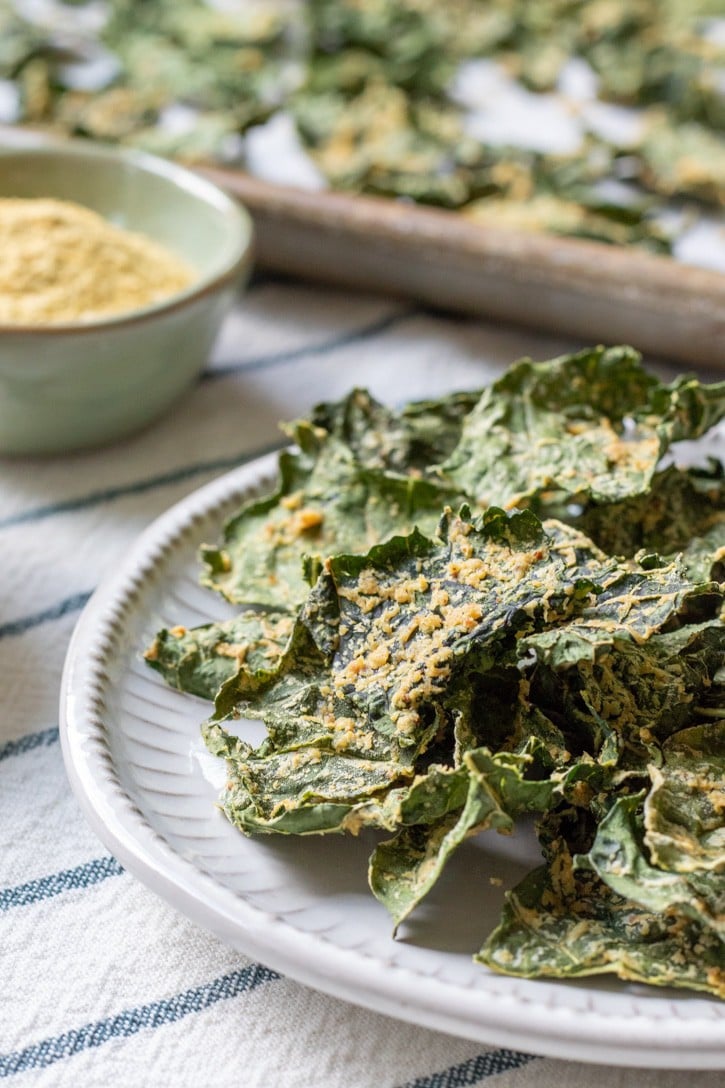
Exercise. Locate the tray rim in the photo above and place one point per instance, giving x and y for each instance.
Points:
(440, 257)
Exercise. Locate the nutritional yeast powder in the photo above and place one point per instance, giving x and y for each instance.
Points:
(61, 263)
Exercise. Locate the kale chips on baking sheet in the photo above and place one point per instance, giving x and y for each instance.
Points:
(600, 119)
(493, 605)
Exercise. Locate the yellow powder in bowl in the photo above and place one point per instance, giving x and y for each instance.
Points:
(62, 263)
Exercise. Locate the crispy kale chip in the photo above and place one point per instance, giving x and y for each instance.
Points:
(434, 674)
(685, 809)
(199, 660)
(619, 856)
(563, 924)
(591, 425)
(683, 511)
(354, 480)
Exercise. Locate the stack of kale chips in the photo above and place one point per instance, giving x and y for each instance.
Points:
(376, 94)
(496, 604)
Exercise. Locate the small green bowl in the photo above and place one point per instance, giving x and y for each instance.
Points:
(65, 387)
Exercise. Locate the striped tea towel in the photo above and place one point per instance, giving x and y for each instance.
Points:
(101, 982)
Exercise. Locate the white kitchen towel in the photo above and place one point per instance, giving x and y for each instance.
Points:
(100, 981)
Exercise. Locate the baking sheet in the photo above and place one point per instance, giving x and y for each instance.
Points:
(564, 285)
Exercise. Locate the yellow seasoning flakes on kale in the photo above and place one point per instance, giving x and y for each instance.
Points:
(490, 605)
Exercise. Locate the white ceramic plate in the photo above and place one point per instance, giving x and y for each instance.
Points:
(137, 764)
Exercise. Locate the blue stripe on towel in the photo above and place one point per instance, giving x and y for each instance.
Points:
(131, 1021)
(474, 1070)
(45, 887)
(322, 347)
(55, 612)
(42, 739)
(137, 487)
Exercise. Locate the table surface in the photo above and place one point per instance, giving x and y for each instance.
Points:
(102, 981)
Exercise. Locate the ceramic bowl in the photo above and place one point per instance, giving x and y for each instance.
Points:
(65, 387)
